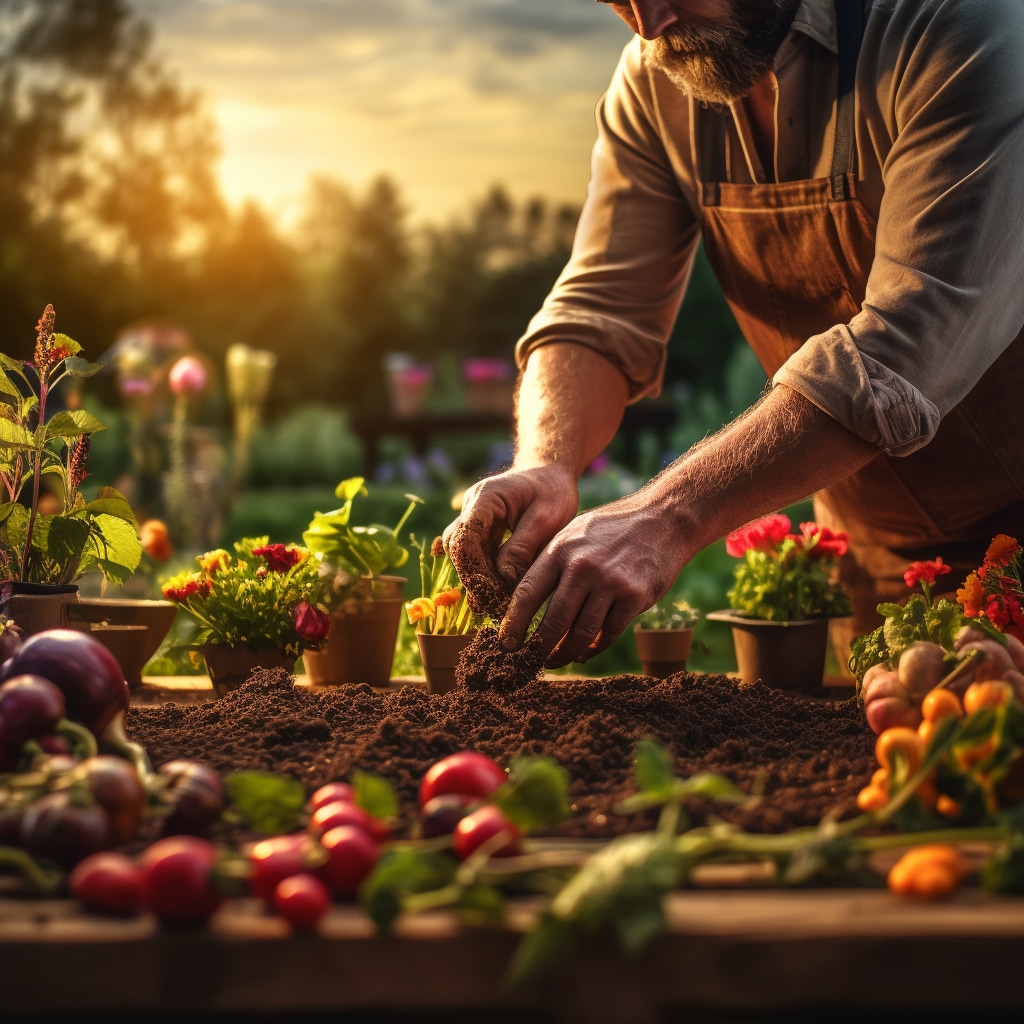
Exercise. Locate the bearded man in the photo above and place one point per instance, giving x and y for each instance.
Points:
(855, 173)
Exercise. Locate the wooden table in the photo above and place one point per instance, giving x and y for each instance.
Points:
(734, 952)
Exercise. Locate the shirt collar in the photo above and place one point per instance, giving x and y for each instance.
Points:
(817, 19)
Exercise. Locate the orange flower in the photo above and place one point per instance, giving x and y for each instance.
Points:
(972, 596)
(155, 540)
(213, 561)
(1001, 550)
(419, 608)
(448, 597)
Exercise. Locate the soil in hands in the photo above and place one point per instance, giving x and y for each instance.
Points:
(807, 757)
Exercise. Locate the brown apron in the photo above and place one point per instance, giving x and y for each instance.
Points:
(793, 259)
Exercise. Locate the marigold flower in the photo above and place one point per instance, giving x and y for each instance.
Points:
(181, 588)
(1001, 550)
(925, 572)
(310, 622)
(280, 557)
(213, 561)
(972, 596)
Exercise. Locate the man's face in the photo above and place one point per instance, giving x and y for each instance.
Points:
(716, 50)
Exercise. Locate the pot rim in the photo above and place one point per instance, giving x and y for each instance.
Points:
(737, 618)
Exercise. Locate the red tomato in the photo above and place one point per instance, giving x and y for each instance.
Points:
(351, 855)
(108, 882)
(340, 812)
(274, 859)
(467, 773)
(302, 900)
(329, 792)
(178, 880)
(480, 826)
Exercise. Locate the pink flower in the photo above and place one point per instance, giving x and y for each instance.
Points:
(479, 370)
(187, 376)
(310, 622)
(760, 535)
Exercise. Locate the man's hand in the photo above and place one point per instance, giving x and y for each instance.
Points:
(529, 505)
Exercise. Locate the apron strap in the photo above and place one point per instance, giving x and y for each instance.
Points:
(850, 18)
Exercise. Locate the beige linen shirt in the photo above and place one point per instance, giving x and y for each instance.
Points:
(940, 148)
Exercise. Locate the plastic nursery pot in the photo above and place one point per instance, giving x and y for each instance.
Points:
(663, 652)
(786, 655)
(360, 645)
(230, 667)
(440, 656)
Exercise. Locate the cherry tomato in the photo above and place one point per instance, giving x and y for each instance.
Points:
(351, 855)
(302, 900)
(178, 884)
(466, 772)
(329, 792)
(108, 882)
(274, 859)
(339, 812)
(989, 693)
(479, 827)
(941, 704)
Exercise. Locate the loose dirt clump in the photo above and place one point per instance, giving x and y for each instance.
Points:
(806, 757)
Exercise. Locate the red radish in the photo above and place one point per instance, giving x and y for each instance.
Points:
(108, 882)
(54, 826)
(302, 900)
(195, 793)
(114, 784)
(30, 706)
(340, 812)
(276, 858)
(466, 772)
(329, 792)
(481, 826)
(178, 880)
(440, 815)
(351, 855)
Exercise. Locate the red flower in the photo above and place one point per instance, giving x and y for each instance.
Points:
(182, 590)
(760, 535)
(280, 557)
(823, 542)
(925, 572)
(310, 622)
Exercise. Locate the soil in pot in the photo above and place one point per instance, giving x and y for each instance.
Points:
(809, 756)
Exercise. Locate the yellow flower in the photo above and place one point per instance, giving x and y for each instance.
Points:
(419, 608)
(213, 561)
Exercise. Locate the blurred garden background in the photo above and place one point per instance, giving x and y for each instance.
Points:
(361, 308)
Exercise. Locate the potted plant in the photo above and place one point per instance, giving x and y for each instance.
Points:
(50, 535)
(664, 636)
(264, 605)
(364, 599)
(785, 590)
(444, 622)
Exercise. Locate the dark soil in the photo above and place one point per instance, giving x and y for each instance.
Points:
(808, 757)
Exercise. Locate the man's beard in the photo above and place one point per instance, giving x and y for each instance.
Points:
(722, 62)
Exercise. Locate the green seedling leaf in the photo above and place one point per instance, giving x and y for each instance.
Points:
(376, 795)
(536, 795)
(400, 872)
(652, 770)
(271, 804)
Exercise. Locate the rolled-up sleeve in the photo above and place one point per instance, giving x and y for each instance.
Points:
(941, 111)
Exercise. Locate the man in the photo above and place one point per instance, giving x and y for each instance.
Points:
(856, 175)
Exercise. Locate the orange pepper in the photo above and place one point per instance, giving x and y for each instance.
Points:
(926, 730)
(872, 798)
(902, 743)
(931, 872)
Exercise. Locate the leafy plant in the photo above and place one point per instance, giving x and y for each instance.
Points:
(54, 535)
(667, 614)
(263, 596)
(351, 554)
(995, 590)
(787, 576)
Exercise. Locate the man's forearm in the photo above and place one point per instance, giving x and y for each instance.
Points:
(569, 407)
(782, 450)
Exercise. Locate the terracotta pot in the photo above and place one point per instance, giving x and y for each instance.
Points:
(787, 655)
(663, 652)
(129, 644)
(440, 656)
(37, 606)
(230, 667)
(360, 645)
(152, 616)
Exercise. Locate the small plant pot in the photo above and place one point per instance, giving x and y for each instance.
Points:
(663, 652)
(129, 644)
(440, 656)
(38, 606)
(360, 645)
(786, 655)
(231, 667)
(156, 617)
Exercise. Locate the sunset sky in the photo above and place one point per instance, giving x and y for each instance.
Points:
(447, 97)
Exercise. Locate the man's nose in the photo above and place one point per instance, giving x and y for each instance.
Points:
(653, 17)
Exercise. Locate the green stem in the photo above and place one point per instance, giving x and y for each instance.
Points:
(42, 880)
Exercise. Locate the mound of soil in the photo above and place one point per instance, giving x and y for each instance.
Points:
(807, 757)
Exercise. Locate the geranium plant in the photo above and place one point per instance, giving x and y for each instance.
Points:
(995, 590)
(263, 596)
(784, 576)
(52, 534)
(442, 607)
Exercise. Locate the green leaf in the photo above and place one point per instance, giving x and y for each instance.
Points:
(376, 795)
(652, 769)
(77, 367)
(13, 435)
(72, 423)
(1003, 872)
(271, 804)
(400, 872)
(543, 949)
(536, 795)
